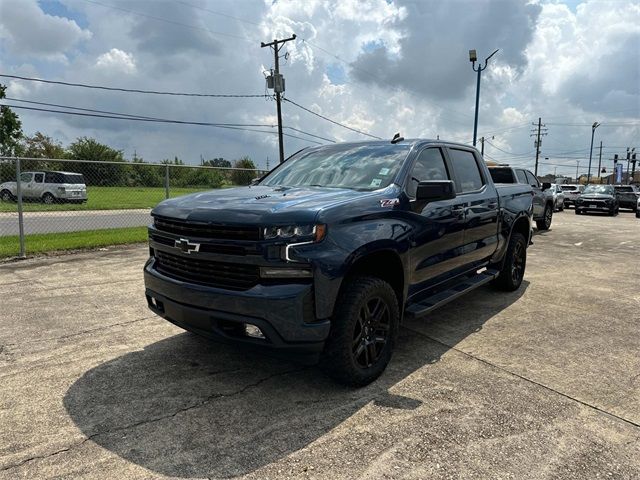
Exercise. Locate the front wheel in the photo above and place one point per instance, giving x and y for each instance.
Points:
(545, 222)
(6, 196)
(363, 331)
(513, 267)
(578, 211)
(48, 199)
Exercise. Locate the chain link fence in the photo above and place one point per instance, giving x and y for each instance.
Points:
(57, 204)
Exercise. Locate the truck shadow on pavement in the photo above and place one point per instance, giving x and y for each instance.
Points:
(186, 407)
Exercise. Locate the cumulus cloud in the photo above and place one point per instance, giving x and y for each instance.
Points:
(116, 61)
(403, 67)
(27, 30)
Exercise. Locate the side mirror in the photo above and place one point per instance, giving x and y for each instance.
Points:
(546, 186)
(255, 181)
(434, 190)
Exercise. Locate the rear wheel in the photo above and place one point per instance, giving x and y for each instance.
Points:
(363, 331)
(48, 199)
(515, 262)
(545, 222)
(6, 196)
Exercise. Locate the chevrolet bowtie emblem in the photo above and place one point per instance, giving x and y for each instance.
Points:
(186, 246)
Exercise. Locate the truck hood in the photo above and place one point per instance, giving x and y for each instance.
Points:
(257, 204)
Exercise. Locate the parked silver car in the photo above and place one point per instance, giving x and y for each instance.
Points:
(558, 197)
(48, 187)
(571, 193)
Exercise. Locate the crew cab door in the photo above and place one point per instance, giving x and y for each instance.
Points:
(37, 186)
(438, 226)
(539, 197)
(479, 197)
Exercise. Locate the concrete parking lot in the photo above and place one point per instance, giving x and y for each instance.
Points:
(541, 383)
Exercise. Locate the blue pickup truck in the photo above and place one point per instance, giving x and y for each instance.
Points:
(326, 254)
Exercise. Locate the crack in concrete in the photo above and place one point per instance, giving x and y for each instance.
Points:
(196, 405)
(521, 377)
(83, 332)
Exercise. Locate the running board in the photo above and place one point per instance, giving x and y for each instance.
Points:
(423, 307)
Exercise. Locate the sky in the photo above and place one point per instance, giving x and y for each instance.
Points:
(376, 66)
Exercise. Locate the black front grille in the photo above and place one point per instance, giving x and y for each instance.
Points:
(232, 276)
(205, 247)
(206, 230)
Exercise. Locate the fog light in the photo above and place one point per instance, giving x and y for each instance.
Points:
(252, 331)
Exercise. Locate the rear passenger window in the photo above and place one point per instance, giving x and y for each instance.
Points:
(38, 177)
(467, 171)
(531, 179)
(429, 166)
(522, 177)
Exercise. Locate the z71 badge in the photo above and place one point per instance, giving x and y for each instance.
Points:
(389, 202)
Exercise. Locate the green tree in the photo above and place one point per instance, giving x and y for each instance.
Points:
(217, 162)
(92, 151)
(243, 177)
(10, 128)
(141, 175)
(40, 145)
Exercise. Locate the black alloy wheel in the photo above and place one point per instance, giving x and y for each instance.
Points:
(363, 331)
(371, 332)
(545, 222)
(518, 263)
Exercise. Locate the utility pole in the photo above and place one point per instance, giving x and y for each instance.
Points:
(600, 160)
(577, 168)
(541, 131)
(633, 166)
(593, 132)
(277, 84)
(482, 143)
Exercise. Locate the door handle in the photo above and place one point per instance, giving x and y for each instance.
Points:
(458, 210)
(492, 205)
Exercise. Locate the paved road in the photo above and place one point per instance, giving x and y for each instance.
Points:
(73, 221)
(541, 383)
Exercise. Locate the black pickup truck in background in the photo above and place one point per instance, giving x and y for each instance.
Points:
(327, 253)
(543, 204)
(627, 196)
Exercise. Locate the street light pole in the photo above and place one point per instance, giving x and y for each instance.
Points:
(593, 132)
(473, 58)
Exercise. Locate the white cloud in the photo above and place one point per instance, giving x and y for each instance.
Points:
(27, 30)
(116, 60)
(564, 65)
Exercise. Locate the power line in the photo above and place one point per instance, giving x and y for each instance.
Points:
(160, 120)
(172, 22)
(133, 90)
(330, 120)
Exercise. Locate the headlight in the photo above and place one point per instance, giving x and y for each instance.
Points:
(297, 233)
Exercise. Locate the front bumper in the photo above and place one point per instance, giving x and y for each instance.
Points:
(283, 312)
(595, 207)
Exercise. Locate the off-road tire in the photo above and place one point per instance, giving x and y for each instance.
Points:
(545, 222)
(339, 360)
(5, 196)
(514, 265)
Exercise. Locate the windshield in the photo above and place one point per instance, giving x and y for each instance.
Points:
(599, 189)
(358, 167)
(624, 189)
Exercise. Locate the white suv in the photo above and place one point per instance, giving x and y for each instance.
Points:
(49, 187)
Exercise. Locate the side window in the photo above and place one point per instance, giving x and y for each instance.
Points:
(26, 177)
(522, 178)
(532, 180)
(38, 177)
(429, 166)
(49, 177)
(467, 170)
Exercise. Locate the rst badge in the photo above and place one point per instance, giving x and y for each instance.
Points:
(186, 246)
(389, 202)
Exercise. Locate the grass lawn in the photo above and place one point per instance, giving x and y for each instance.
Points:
(107, 198)
(48, 242)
